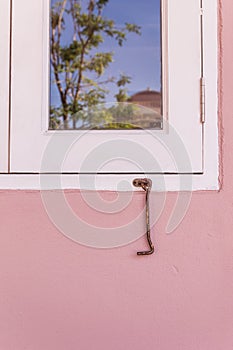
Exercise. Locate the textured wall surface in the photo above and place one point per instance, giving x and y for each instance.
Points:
(56, 294)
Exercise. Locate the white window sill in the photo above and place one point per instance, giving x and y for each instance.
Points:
(161, 183)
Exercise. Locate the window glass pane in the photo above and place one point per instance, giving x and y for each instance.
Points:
(105, 64)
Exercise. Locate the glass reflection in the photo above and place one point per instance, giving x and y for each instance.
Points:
(105, 61)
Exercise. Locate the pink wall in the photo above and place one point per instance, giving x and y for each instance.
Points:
(56, 294)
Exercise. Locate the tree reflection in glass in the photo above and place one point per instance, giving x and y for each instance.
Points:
(105, 60)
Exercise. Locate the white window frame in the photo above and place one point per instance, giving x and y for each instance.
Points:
(208, 180)
(5, 41)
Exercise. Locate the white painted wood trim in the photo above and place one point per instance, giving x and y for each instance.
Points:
(157, 151)
(207, 181)
(211, 133)
(161, 183)
(4, 85)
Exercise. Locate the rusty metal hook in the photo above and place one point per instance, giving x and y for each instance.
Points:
(146, 185)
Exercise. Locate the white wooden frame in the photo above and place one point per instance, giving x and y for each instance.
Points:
(206, 181)
(29, 108)
(4, 86)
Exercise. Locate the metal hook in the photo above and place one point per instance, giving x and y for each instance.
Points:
(146, 185)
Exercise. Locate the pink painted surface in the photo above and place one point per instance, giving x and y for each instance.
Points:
(58, 295)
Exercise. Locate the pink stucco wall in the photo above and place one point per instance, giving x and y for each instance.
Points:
(58, 295)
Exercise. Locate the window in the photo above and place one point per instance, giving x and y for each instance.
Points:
(157, 126)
